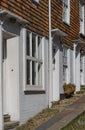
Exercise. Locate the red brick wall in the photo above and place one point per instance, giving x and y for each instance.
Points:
(37, 16)
(74, 28)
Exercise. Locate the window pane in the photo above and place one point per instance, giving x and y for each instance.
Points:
(64, 55)
(65, 60)
(39, 48)
(65, 51)
(34, 73)
(39, 74)
(64, 74)
(66, 2)
(66, 13)
(28, 72)
(28, 44)
(81, 77)
(65, 10)
(81, 62)
(81, 18)
(34, 45)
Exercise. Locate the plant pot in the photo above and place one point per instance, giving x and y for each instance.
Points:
(69, 89)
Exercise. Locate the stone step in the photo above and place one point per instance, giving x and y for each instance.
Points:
(6, 118)
(11, 125)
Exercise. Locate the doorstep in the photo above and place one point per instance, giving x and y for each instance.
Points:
(11, 125)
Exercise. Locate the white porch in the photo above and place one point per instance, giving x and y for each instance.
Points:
(9, 65)
(77, 66)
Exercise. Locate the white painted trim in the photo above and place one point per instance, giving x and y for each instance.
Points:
(34, 59)
(69, 66)
(74, 63)
(82, 22)
(34, 88)
(84, 70)
(43, 65)
(36, 63)
(24, 56)
(1, 81)
(31, 61)
(59, 32)
(67, 20)
(9, 14)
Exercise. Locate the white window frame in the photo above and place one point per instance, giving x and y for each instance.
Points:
(81, 63)
(66, 11)
(30, 87)
(65, 64)
(82, 18)
(81, 67)
(65, 49)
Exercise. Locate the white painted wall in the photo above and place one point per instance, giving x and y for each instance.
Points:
(83, 70)
(61, 70)
(1, 80)
(12, 77)
(77, 70)
(82, 78)
(4, 79)
(71, 66)
(57, 71)
(56, 93)
(31, 104)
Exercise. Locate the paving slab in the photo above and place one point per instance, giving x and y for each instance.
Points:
(63, 118)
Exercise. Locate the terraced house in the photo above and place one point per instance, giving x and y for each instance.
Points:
(42, 46)
(68, 34)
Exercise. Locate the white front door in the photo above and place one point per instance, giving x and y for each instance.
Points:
(11, 76)
(4, 77)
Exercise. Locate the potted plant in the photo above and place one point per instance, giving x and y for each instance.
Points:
(68, 89)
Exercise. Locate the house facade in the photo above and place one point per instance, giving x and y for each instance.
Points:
(68, 34)
(24, 54)
(23, 59)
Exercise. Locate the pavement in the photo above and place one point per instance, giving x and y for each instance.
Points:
(64, 117)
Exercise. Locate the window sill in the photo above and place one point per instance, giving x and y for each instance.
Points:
(33, 89)
(82, 34)
(66, 23)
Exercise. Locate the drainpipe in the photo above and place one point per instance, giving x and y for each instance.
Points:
(74, 63)
(1, 80)
(50, 59)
